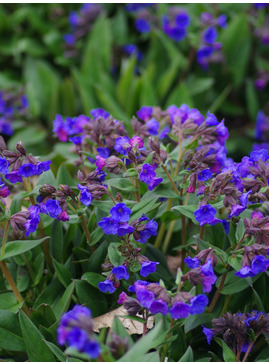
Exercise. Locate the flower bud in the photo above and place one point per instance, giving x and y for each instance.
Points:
(21, 149)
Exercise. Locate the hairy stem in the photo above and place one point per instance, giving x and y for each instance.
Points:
(170, 179)
(248, 351)
(86, 230)
(161, 232)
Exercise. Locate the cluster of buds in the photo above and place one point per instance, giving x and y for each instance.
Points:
(21, 163)
(156, 299)
(258, 227)
(238, 329)
(81, 24)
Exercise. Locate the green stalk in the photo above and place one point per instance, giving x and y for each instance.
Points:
(4, 238)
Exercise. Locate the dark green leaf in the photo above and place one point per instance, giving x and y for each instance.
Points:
(10, 332)
(36, 349)
(63, 273)
(92, 298)
(20, 246)
(188, 356)
(227, 353)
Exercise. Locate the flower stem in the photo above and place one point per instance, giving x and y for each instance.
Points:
(4, 238)
(217, 293)
(170, 179)
(137, 193)
(165, 348)
(248, 351)
(13, 286)
(86, 230)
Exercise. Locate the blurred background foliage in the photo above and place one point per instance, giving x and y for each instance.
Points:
(99, 73)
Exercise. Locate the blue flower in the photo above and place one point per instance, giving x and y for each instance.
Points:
(205, 214)
(43, 167)
(96, 113)
(125, 229)
(198, 304)
(109, 225)
(222, 19)
(204, 175)
(151, 229)
(120, 272)
(145, 113)
(69, 39)
(85, 195)
(106, 286)
(208, 333)
(179, 310)
(4, 165)
(123, 145)
(92, 348)
(145, 297)
(120, 212)
(27, 170)
(192, 262)
(158, 306)
(210, 35)
(77, 338)
(147, 268)
(13, 177)
(142, 25)
(52, 208)
(153, 126)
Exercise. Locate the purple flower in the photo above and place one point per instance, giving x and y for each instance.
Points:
(192, 262)
(103, 152)
(96, 113)
(209, 278)
(158, 306)
(92, 348)
(120, 272)
(106, 286)
(13, 177)
(153, 126)
(205, 214)
(69, 39)
(43, 167)
(124, 229)
(4, 165)
(120, 212)
(52, 208)
(151, 229)
(145, 297)
(77, 338)
(204, 175)
(142, 25)
(222, 19)
(123, 145)
(27, 170)
(164, 132)
(259, 264)
(155, 182)
(210, 35)
(179, 310)
(122, 297)
(182, 19)
(147, 268)
(77, 140)
(109, 225)
(198, 304)
(145, 113)
(85, 195)
(147, 173)
(208, 333)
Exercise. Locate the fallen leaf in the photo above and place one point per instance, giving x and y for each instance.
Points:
(132, 326)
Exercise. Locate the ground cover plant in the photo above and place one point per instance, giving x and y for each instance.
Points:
(131, 228)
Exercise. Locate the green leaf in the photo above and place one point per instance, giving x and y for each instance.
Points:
(126, 79)
(180, 95)
(234, 284)
(64, 177)
(186, 211)
(193, 321)
(235, 262)
(121, 184)
(119, 329)
(188, 356)
(142, 346)
(93, 278)
(56, 351)
(131, 172)
(63, 273)
(65, 300)
(20, 246)
(10, 332)
(145, 205)
(114, 254)
(92, 298)
(199, 85)
(227, 353)
(36, 349)
(47, 178)
(97, 258)
(237, 46)
(32, 135)
(240, 230)
(252, 101)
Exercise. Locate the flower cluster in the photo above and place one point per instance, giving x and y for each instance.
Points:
(260, 23)
(210, 49)
(157, 299)
(237, 329)
(76, 330)
(175, 23)
(81, 23)
(13, 105)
